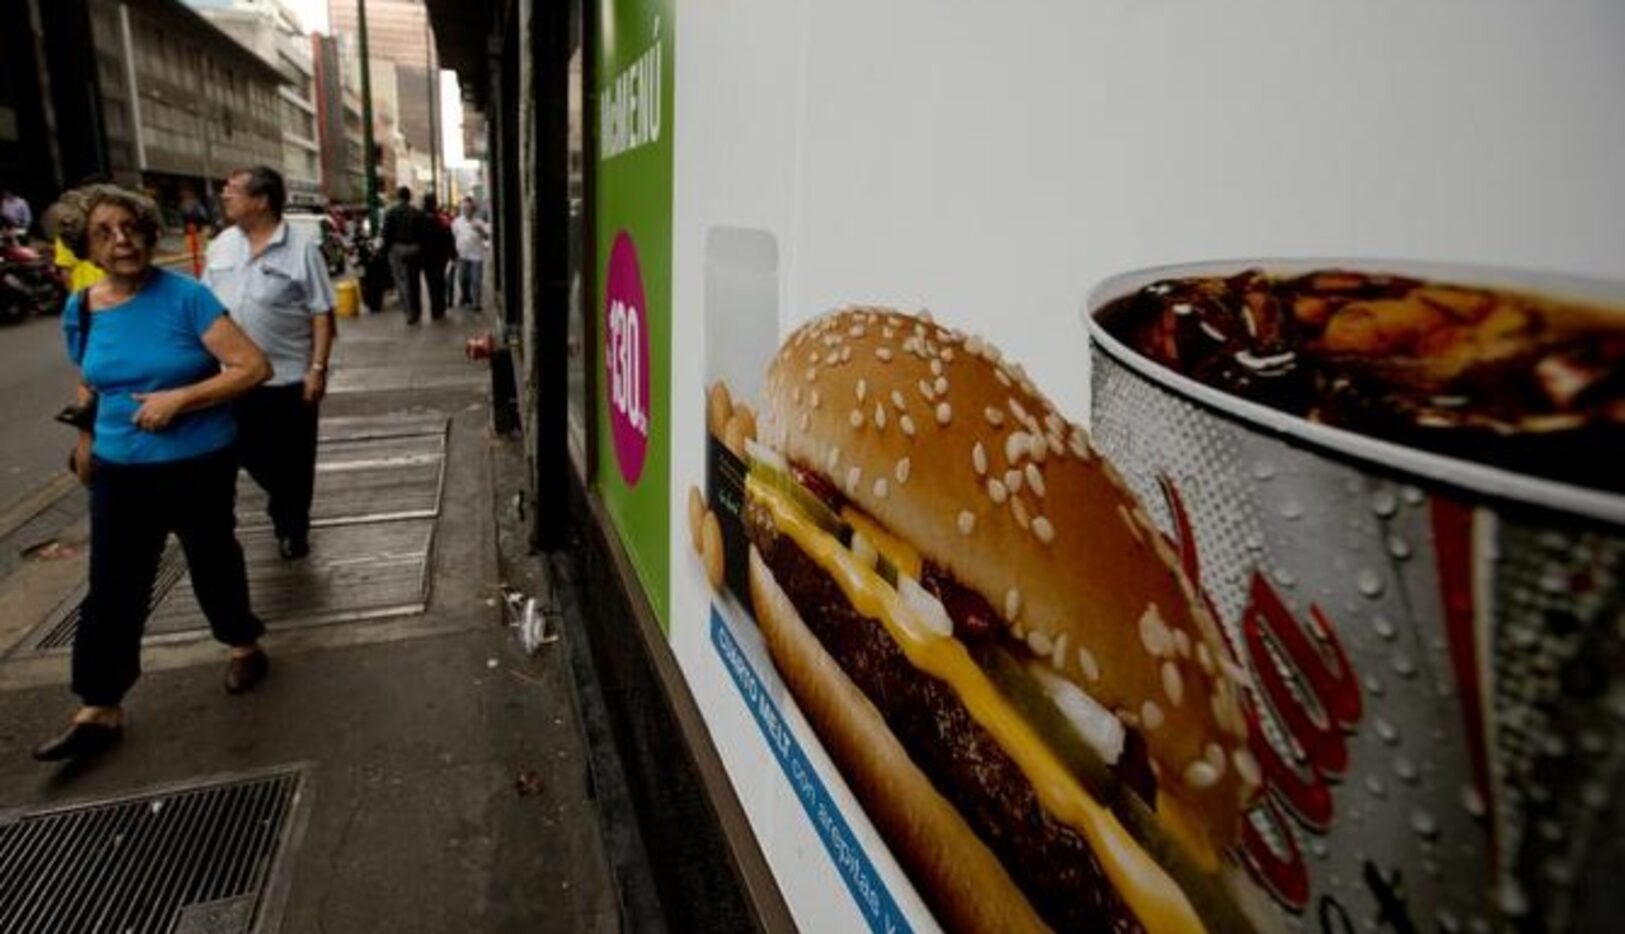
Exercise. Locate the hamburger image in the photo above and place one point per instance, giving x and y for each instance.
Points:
(990, 637)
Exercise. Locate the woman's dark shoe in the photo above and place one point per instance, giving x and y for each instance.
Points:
(245, 671)
(79, 741)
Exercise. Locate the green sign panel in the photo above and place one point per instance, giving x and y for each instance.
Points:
(633, 230)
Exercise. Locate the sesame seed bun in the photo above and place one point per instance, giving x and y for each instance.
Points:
(955, 451)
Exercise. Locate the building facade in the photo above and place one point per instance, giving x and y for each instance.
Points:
(273, 31)
(183, 102)
(146, 92)
(339, 112)
(405, 66)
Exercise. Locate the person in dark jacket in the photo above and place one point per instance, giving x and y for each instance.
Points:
(402, 235)
(439, 248)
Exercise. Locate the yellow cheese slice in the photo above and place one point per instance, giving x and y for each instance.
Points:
(1147, 889)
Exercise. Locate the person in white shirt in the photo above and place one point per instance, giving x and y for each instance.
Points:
(471, 233)
(274, 281)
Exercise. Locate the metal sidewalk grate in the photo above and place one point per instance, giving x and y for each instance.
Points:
(353, 573)
(59, 631)
(364, 480)
(196, 858)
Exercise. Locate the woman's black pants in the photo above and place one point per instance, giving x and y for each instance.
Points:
(133, 508)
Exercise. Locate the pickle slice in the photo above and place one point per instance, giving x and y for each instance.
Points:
(1205, 891)
(809, 505)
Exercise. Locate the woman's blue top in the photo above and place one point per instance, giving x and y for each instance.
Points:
(149, 342)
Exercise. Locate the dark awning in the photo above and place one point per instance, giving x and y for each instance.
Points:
(461, 30)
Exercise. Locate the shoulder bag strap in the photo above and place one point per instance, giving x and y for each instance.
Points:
(84, 324)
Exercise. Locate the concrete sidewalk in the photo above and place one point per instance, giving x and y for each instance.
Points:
(445, 778)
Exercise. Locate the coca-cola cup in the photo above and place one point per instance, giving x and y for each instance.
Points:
(1435, 647)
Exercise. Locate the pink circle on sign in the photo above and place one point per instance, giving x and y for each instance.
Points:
(626, 358)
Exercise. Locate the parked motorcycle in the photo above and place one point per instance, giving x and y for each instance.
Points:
(30, 284)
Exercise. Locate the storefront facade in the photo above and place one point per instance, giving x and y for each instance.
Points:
(1344, 609)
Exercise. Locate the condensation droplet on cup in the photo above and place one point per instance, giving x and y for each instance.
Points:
(1559, 872)
(1554, 581)
(1405, 770)
(1382, 627)
(1424, 824)
(1292, 510)
(1263, 470)
(1254, 541)
(1384, 503)
(1318, 847)
(1386, 731)
(1374, 785)
(1374, 685)
(1593, 742)
(1285, 578)
(1472, 801)
(1403, 664)
(1595, 795)
(1412, 495)
(1552, 540)
(1398, 548)
(1369, 583)
(1512, 898)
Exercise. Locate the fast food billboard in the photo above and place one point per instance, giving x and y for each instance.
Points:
(632, 227)
(1000, 616)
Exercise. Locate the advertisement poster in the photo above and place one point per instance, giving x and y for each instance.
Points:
(633, 230)
(1133, 469)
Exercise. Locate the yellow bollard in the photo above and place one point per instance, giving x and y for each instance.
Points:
(347, 298)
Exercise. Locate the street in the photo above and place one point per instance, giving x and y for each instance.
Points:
(36, 381)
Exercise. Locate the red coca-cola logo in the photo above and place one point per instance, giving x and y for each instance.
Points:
(1304, 691)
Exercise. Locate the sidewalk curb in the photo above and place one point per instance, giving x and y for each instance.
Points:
(21, 512)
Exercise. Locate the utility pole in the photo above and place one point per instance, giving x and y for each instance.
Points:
(366, 119)
(434, 106)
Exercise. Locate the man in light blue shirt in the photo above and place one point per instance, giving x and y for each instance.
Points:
(273, 279)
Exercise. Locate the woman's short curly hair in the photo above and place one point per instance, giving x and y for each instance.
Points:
(69, 218)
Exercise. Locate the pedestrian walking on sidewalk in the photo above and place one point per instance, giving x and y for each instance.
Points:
(159, 357)
(438, 252)
(471, 233)
(15, 212)
(402, 232)
(274, 279)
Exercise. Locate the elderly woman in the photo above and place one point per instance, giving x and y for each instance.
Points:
(159, 356)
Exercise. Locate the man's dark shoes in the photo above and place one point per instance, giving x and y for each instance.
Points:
(293, 547)
(79, 741)
(243, 672)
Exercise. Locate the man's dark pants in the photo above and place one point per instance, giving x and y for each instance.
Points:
(276, 439)
(133, 508)
(403, 267)
(434, 270)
